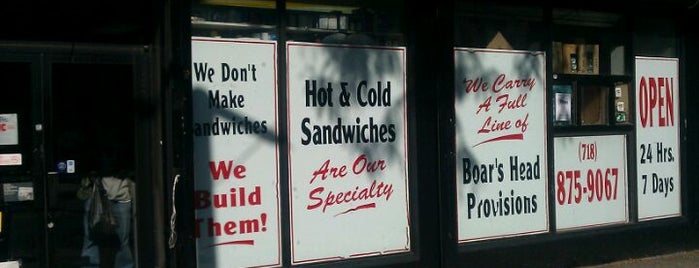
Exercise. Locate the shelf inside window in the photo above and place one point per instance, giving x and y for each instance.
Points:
(216, 25)
(591, 101)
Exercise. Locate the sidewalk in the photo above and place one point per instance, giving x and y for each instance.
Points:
(677, 260)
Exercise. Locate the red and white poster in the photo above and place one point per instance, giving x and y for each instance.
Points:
(590, 183)
(9, 130)
(12, 159)
(501, 181)
(658, 138)
(236, 166)
(347, 152)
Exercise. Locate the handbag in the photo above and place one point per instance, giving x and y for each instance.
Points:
(101, 221)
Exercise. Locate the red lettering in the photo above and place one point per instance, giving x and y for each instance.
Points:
(224, 169)
(491, 125)
(237, 197)
(201, 199)
(229, 227)
(505, 102)
(3, 126)
(197, 227)
(502, 83)
(656, 95)
(362, 163)
(374, 191)
(653, 97)
(475, 85)
(670, 101)
(324, 170)
(214, 227)
(239, 171)
(643, 102)
(661, 118)
(312, 196)
(497, 85)
(485, 105)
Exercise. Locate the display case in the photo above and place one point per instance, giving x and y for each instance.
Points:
(590, 74)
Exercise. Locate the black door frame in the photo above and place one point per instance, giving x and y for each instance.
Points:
(147, 131)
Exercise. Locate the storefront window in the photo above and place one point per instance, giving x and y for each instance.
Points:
(234, 111)
(347, 110)
(658, 118)
(337, 72)
(591, 112)
(500, 122)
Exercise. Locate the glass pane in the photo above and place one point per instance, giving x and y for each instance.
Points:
(502, 27)
(19, 223)
(588, 42)
(234, 19)
(359, 23)
(563, 105)
(15, 115)
(92, 126)
(655, 37)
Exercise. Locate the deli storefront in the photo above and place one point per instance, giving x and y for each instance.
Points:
(317, 133)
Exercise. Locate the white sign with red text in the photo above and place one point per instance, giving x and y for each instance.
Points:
(9, 132)
(590, 182)
(236, 168)
(11, 159)
(501, 173)
(347, 152)
(658, 138)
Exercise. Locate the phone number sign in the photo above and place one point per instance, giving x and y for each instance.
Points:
(590, 181)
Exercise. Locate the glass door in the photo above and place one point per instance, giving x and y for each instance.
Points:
(90, 135)
(21, 203)
(63, 123)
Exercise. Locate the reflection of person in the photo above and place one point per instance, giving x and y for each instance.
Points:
(562, 103)
(119, 189)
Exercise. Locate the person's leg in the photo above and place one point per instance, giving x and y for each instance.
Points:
(122, 214)
(90, 250)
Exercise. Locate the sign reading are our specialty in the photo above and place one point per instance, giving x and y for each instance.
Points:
(658, 138)
(236, 175)
(347, 152)
(590, 181)
(501, 181)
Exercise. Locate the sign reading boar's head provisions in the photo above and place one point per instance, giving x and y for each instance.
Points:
(501, 181)
(347, 152)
